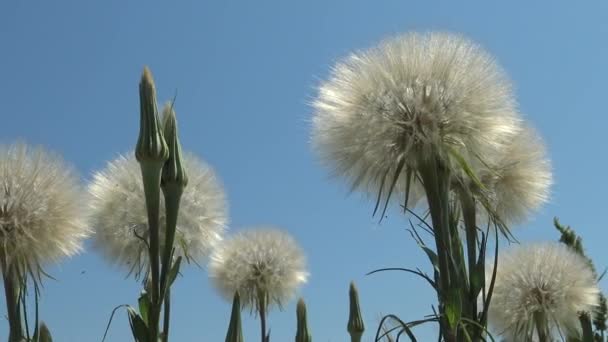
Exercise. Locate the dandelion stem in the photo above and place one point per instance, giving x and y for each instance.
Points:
(435, 180)
(468, 212)
(542, 328)
(11, 290)
(262, 305)
(151, 173)
(173, 194)
(167, 315)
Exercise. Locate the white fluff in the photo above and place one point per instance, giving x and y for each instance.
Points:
(546, 278)
(412, 97)
(261, 260)
(118, 212)
(41, 218)
(521, 178)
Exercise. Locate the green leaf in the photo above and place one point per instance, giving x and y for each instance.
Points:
(174, 271)
(138, 326)
(432, 256)
(466, 167)
(144, 305)
(453, 307)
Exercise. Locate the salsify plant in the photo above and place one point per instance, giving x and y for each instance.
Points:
(41, 222)
(540, 291)
(118, 213)
(264, 265)
(432, 116)
(597, 318)
(126, 212)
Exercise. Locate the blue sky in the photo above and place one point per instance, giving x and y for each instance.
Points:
(244, 73)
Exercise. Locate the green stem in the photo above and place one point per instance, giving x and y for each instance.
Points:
(151, 173)
(435, 179)
(263, 304)
(12, 293)
(167, 315)
(469, 215)
(587, 327)
(173, 194)
(542, 329)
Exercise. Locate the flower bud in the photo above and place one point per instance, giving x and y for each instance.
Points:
(302, 333)
(355, 325)
(173, 170)
(151, 146)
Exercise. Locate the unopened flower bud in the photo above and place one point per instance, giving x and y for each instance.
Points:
(173, 170)
(355, 325)
(151, 146)
(302, 333)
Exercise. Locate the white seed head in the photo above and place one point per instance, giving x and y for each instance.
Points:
(263, 261)
(545, 279)
(413, 97)
(520, 181)
(41, 218)
(118, 213)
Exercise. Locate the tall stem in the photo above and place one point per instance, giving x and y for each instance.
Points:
(263, 306)
(167, 315)
(173, 194)
(436, 180)
(542, 330)
(151, 178)
(469, 215)
(12, 292)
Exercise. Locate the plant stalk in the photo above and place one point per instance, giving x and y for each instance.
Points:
(542, 329)
(151, 173)
(167, 315)
(435, 179)
(173, 194)
(12, 293)
(469, 215)
(263, 304)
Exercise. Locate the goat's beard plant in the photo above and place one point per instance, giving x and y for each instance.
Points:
(265, 266)
(40, 223)
(162, 167)
(432, 116)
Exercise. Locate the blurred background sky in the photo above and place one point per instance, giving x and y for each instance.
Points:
(245, 73)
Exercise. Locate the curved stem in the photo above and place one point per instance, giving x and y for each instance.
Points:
(262, 307)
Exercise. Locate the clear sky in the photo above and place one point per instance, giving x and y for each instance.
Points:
(245, 73)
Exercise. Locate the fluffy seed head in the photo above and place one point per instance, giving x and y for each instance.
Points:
(548, 280)
(413, 97)
(263, 262)
(118, 213)
(41, 219)
(520, 180)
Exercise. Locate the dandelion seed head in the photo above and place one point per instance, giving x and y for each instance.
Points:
(41, 219)
(413, 97)
(548, 279)
(520, 181)
(119, 217)
(262, 260)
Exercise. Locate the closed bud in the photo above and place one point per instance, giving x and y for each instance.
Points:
(151, 145)
(173, 171)
(302, 333)
(355, 325)
(44, 334)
